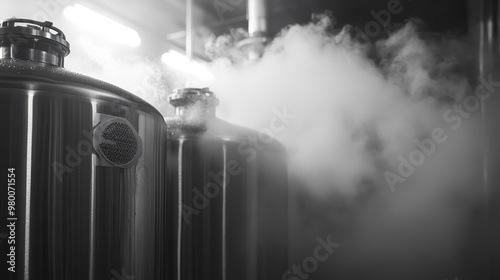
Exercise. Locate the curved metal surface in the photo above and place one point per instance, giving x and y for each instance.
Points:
(14, 73)
(76, 219)
(232, 216)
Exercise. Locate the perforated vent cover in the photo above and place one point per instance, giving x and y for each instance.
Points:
(117, 142)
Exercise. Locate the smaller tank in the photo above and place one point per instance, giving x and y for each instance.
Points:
(231, 189)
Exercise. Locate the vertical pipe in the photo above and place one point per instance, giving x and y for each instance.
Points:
(189, 34)
(29, 158)
(189, 29)
(179, 210)
(257, 18)
(95, 121)
(484, 23)
(488, 68)
(224, 210)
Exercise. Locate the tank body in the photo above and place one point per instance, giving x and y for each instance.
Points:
(88, 160)
(232, 186)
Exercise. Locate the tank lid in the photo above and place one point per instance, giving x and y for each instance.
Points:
(186, 96)
(32, 40)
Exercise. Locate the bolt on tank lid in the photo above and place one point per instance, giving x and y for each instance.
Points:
(32, 40)
(187, 96)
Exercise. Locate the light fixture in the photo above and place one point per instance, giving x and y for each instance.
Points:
(92, 20)
(180, 62)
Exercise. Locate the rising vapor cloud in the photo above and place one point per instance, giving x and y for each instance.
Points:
(360, 107)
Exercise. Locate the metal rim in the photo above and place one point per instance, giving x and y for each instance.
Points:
(9, 27)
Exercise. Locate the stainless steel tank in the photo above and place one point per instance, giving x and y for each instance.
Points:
(87, 159)
(231, 183)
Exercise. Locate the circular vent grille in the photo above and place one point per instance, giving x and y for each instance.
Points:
(117, 142)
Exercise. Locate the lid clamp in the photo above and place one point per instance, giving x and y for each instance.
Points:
(31, 40)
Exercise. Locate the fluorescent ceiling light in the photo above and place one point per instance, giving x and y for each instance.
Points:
(96, 22)
(179, 61)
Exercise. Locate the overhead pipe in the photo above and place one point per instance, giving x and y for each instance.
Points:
(189, 34)
(257, 18)
(257, 29)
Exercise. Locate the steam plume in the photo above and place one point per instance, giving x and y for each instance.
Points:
(358, 108)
